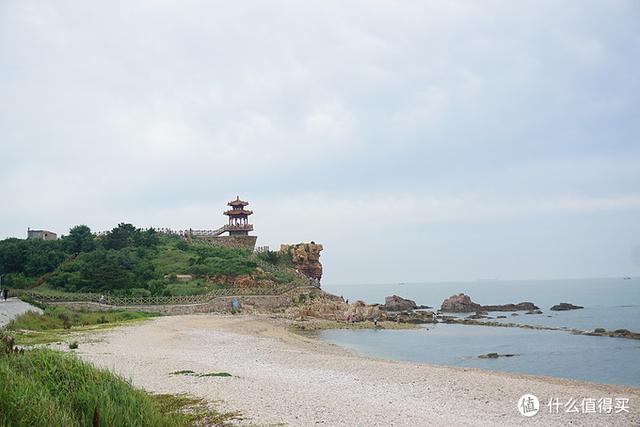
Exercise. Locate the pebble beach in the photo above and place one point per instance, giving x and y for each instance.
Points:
(278, 377)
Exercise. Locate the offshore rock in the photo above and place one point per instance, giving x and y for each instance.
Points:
(396, 303)
(495, 355)
(305, 258)
(522, 306)
(564, 306)
(459, 304)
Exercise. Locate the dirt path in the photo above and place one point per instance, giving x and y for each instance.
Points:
(14, 307)
(279, 377)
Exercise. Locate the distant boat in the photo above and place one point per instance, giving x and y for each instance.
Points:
(626, 278)
(401, 284)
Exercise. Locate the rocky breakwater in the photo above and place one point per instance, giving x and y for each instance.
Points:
(305, 258)
(618, 333)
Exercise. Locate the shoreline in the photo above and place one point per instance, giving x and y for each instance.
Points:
(278, 376)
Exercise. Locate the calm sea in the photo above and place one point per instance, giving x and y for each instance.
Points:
(609, 303)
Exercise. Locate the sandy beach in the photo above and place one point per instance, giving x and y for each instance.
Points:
(282, 378)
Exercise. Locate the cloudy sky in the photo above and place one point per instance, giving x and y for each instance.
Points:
(417, 140)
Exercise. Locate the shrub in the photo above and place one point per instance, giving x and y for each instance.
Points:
(66, 320)
(139, 292)
(6, 343)
(271, 257)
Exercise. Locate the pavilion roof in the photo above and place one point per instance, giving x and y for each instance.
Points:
(234, 212)
(237, 202)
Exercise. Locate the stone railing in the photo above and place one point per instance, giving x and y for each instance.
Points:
(221, 230)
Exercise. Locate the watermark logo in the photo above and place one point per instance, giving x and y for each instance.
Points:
(528, 405)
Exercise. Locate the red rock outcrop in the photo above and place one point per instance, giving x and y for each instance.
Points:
(305, 258)
(459, 304)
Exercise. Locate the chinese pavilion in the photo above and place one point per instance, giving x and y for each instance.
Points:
(238, 218)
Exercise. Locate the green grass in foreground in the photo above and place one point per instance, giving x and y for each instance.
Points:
(58, 323)
(49, 388)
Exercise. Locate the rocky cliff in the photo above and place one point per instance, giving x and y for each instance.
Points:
(305, 258)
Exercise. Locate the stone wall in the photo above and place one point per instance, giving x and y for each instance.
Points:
(216, 305)
(240, 242)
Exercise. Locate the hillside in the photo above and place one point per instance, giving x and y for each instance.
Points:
(129, 261)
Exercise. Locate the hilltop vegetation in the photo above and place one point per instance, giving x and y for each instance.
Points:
(124, 261)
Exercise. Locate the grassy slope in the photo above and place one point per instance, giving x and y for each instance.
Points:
(58, 323)
(48, 388)
(172, 256)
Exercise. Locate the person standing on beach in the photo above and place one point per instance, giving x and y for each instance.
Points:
(5, 292)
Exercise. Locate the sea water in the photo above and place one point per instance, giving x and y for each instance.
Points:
(609, 303)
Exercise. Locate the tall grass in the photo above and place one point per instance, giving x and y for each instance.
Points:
(49, 388)
(64, 318)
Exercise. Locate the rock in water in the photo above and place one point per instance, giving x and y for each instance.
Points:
(396, 303)
(489, 356)
(459, 304)
(522, 306)
(495, 355)
(564, 306)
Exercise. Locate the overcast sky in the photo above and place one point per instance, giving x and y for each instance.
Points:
(417, 140)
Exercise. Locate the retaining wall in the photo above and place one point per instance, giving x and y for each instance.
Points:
(215, 305)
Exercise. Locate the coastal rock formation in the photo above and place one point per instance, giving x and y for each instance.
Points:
(415, 317)
(462, 303)
(459, 304)
(564, 306)
(305, 258)
(522, 306)
(396, 303)
(338, 310)
(360, 311)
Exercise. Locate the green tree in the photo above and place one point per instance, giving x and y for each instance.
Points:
(121, 236)
(80, 239)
